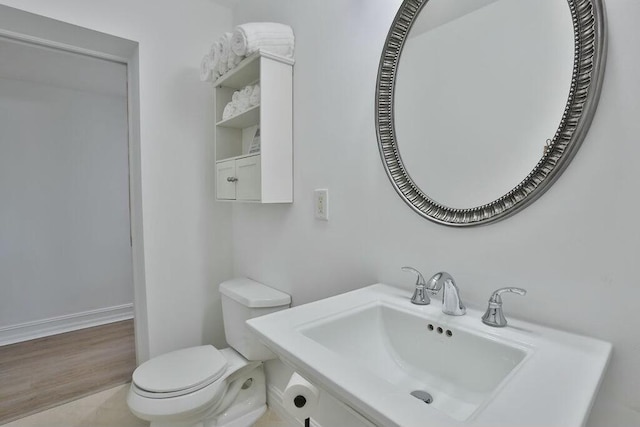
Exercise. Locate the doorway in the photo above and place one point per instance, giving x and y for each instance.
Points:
(70, 215)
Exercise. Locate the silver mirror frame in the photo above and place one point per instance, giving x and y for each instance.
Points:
(589, 25)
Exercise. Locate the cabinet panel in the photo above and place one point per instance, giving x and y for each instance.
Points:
(248, 173)
(225, 189)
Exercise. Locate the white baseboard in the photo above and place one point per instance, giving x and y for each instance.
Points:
(70, 322)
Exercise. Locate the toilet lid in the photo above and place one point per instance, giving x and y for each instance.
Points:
(181, 370)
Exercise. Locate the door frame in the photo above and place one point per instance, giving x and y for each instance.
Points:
(16, 24)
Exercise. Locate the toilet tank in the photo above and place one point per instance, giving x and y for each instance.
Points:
(244, 299)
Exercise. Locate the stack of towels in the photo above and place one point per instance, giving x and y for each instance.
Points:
(227, 52)
(241, 101)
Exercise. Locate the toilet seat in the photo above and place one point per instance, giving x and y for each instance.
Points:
(180, 372)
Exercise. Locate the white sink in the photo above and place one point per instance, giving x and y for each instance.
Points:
(371, 348)
(459, 371)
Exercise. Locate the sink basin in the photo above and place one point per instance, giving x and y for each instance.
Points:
(386, 358)
(458, 369)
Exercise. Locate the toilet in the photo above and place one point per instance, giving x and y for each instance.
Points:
(206, 387)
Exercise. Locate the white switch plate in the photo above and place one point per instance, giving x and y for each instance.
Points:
(321, 203)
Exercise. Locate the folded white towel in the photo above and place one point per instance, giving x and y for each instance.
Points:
(206, 73)
(269, 36)
(254, 99)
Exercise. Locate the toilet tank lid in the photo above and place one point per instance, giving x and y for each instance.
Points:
(253, 294)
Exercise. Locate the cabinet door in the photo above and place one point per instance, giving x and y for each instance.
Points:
(248, 186)
(225, 184)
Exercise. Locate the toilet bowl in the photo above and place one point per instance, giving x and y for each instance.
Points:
(206, 387)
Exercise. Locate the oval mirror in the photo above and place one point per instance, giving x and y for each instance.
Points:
(481, 104)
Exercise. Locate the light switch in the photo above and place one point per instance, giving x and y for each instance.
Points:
(321, 203)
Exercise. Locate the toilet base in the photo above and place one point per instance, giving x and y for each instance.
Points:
(246, 420)
(241, 405)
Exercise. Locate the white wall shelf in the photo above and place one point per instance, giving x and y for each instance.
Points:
(243, 120)
(236, 157)
(267, 176)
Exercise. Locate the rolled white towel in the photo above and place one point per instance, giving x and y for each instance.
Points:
(225, 41)
(269, 36)
(214, 69)
(218, 45)
(254, 99)
(215, 76)
(243, 103)
(214, 50)
(233, 60)
(214, 56)
(244, 106)
(206, 73)
(225, 48)
(235, 98)
(247, 91)
(223, 67)
(229, 111)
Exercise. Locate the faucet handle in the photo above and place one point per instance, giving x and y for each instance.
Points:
(420, 296)
(419, 279)
(494, 316)
(496, 298)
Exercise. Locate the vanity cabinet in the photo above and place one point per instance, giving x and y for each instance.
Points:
(264, 176)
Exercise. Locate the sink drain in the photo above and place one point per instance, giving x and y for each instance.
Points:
(422, 395)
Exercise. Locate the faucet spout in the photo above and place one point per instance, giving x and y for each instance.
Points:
(451, 302)
(437, 282)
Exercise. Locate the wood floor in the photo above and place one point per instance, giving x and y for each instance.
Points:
(46, 372)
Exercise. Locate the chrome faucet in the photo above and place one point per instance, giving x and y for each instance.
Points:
(420, 296)
(451, 302)
(494, 316)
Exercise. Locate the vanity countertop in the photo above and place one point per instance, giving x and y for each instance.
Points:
(552, 383)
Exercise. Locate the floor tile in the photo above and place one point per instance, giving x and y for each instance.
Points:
(104, 409)
(107, 409)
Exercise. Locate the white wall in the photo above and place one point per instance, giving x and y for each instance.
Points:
(64, 185)
(186, 234)
(575, 249)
